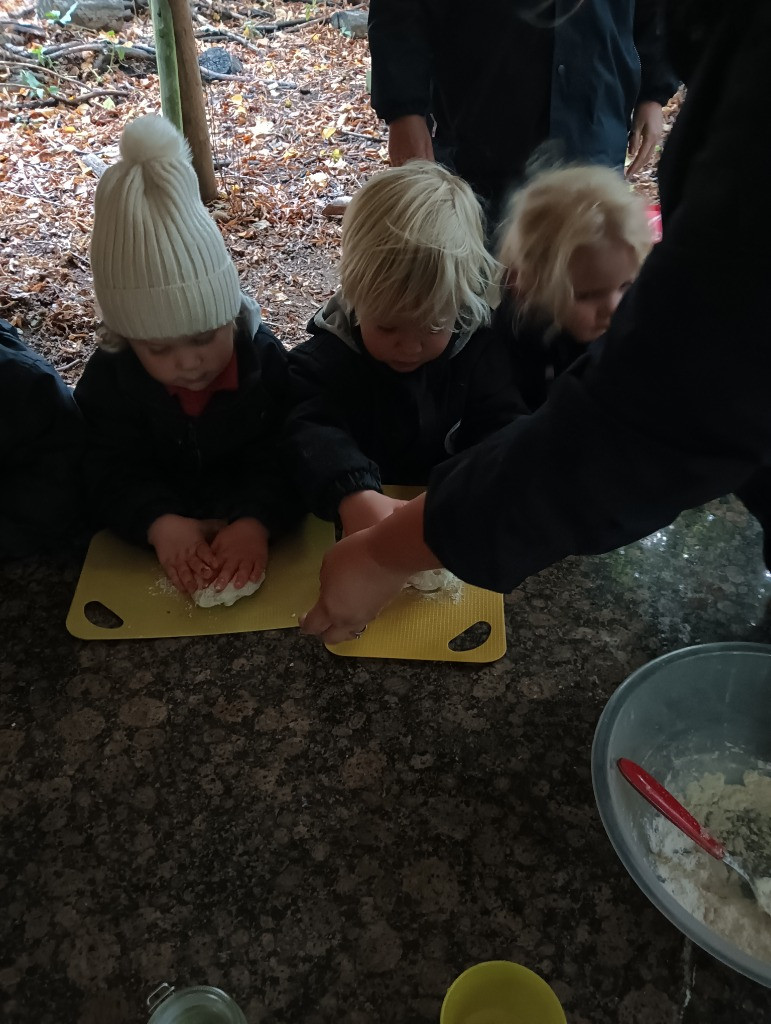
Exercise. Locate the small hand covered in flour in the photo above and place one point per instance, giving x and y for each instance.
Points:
(365, 508)
(241, 550)
(182, 549)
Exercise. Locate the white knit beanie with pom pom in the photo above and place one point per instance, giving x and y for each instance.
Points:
(160, 266)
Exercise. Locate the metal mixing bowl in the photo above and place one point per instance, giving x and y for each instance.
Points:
(701, 708)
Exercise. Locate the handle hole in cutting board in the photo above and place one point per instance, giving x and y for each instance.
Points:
(99, 614)
(472, 637)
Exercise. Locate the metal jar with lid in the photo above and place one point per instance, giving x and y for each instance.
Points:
(199, 1005)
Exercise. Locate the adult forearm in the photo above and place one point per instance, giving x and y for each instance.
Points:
(398, 544)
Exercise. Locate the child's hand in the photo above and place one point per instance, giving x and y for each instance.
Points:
(180, 544)
(363, 509)
(241, 550)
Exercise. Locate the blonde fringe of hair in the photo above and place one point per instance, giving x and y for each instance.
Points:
(109, 341)
(413, 245)
(556, 213)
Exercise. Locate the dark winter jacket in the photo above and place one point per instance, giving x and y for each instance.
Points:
(674, 409)
(356, 423)
(539, 351)
(498, 83)
(146, 458)
(41, 447)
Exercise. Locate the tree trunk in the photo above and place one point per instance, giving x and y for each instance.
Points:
(191, 94)
(166, 59)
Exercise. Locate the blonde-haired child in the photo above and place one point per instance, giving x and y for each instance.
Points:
(401, 369)
(184, 398)
(572, 242)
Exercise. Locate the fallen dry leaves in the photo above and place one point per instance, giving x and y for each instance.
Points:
(293, 134)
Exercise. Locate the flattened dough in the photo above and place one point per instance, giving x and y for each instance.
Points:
(210, 598)
(431, 580)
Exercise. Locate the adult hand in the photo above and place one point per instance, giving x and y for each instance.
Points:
(354, 588)
(365, 508)
(180, 544)
(647, 126)
(241, 549)
(409, 139)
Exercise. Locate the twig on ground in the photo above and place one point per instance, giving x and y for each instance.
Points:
(74, 101)
(222, 33)
(23, 30)
(41, 69)
(249, 12)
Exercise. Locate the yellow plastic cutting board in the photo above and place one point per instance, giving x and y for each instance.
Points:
(420, 627)
(130, 583)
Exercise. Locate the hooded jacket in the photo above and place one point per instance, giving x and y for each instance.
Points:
(673, 410)
(540, 352)
(498, 79)
(41, 447)
(356, 424)
(146, 458)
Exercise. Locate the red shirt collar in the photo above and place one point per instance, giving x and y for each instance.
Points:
(194, 402)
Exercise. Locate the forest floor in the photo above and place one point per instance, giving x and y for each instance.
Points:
(292, 133)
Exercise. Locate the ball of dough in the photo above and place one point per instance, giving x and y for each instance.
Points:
(209, 597)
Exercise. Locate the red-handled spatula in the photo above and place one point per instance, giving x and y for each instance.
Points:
(666, 804)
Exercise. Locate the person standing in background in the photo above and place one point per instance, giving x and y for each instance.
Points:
(481, 88)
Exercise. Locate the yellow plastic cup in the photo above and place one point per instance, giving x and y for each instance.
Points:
(500, 992)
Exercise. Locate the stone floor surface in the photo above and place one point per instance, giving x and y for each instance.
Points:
(333, 840)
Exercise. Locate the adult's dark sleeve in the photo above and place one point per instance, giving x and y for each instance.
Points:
(326, 463)
(400, 45)
(674, 410)
(658, 81)
(42, 449)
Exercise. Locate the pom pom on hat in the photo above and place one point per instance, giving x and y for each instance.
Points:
(160, 266)
(152, 138)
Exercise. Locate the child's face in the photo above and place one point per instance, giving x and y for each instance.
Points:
(600, 275)
(191, 362)
(401, 343)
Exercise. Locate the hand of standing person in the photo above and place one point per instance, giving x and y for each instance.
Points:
(647, 127)
(241, 549)
(364, 572)
(409, 139)
(363, 509)
(181, 546)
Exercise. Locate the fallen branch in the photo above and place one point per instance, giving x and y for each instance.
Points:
(19, 28)
(39, 68)
(136, 51)
(217, 33)
(51, 101)
(115, 51)
(321, 19)
(295, 25)
(226, 12)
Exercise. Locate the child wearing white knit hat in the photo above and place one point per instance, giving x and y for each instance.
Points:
(185, 396)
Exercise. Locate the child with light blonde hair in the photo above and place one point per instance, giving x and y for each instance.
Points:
(401, 369)
(572, 242)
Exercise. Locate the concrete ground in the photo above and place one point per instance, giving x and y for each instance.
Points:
(333, 840)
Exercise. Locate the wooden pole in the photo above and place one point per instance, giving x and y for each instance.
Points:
(191, 94)
(166, 58)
